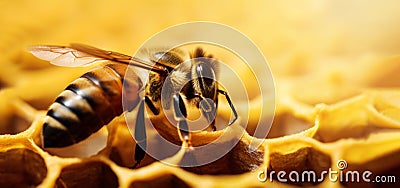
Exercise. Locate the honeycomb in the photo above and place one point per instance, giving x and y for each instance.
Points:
(337, 94)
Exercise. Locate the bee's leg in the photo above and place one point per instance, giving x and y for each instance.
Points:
(213, 126)
(180, 115)
(150, 104)
(212, 115)
(183, 131)
(230, 104)
(140, 135)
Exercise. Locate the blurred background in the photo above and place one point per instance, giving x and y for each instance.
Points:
(297, 37)
(318, 51)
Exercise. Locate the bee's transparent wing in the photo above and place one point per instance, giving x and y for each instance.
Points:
(63, 55)
(79, 55)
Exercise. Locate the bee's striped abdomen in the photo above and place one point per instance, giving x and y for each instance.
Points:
(87, 104)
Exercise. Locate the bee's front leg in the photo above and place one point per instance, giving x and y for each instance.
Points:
(180, 116)
(140, 130)
(228, 99)
(140, 135)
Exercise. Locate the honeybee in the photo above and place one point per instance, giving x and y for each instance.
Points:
(94, 99)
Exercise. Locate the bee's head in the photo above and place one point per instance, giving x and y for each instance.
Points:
(204, 83)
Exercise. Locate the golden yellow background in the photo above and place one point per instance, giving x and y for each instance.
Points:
(339, 40)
